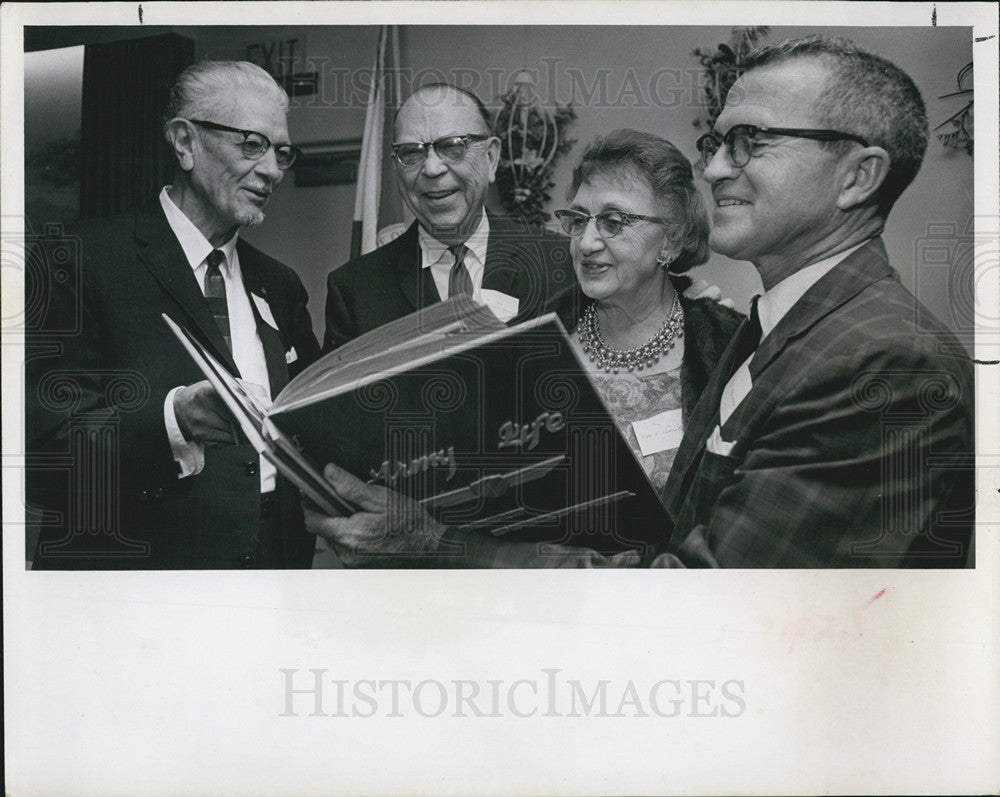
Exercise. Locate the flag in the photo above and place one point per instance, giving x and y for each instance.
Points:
(366, 199)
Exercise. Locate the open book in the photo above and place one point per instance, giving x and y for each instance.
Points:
(492, 428)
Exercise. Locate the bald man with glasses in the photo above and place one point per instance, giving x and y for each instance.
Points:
(134, 455)
(445, 157)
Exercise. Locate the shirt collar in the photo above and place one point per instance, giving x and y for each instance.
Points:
(775, 303)
(195, 245)
(432, 250)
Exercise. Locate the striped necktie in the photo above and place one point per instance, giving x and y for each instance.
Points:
(459, 280)
(215, 294)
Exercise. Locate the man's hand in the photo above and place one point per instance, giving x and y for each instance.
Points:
(700, 289)
(388, 529)
(203, 417)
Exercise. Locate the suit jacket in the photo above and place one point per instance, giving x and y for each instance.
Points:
(99, 364)
(389, 283)
(854, 447)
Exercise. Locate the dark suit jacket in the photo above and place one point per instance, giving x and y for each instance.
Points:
(854, 447)
(388, 283)
(100, 362)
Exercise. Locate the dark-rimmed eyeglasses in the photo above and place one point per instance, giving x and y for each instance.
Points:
(255, 144)
(608, 224)
(740, 139)
(449, 148)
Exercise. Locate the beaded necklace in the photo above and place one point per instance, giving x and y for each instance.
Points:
(612, 360)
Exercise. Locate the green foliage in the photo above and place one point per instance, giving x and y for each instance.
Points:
(724, 66)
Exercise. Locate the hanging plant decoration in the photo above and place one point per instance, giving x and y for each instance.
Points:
(531, 137)
(962, 134)
(723, 66)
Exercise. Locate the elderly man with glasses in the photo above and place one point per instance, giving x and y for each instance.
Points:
(837, 429)
(162, 478)
(445, 158)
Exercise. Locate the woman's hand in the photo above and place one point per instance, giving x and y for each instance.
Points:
(700, 289)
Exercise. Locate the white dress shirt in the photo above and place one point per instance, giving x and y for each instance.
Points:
(772, 306)
(248, 351)
(435, 256)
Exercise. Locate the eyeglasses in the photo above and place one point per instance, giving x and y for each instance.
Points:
(608, 224)
(255, 145)
(740, 140)
(449, 148)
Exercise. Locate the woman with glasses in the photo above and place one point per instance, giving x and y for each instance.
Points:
(637, 223)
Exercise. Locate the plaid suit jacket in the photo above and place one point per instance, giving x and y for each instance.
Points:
(854, 447)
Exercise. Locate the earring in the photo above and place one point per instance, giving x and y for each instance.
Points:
(664, 259)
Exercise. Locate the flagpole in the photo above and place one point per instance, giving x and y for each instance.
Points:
(398, 99)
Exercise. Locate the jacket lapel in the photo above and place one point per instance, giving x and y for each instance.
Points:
(700, 426)
(504, 250)
(270, 338)
(862, 268)
(500, 271)
(403, 257)
(159, 251)
(843, 282)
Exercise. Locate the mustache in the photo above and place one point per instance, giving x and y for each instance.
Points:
(264, 187)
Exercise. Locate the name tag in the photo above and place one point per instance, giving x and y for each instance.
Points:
(660, 432)
(503, 306)
(264, 309)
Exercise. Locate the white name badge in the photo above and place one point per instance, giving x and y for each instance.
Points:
(660, 432)
(503, 306)
(264, 309)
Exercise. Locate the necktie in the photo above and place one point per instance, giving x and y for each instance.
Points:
(459, 280)
(750, 339)
(215, 294)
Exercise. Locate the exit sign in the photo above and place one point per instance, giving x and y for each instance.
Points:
(278, 56)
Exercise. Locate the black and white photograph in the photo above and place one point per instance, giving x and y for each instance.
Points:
(367, 364)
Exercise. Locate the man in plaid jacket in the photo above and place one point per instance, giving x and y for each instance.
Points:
(846, 437)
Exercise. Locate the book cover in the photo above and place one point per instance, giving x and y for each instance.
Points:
(494, 429)
(502, 433)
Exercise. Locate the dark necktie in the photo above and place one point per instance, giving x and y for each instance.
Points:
(459, 280)
(215, 294)
(749, 337)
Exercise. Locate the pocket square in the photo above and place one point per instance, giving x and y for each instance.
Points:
(716, 445)
(291, 356)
